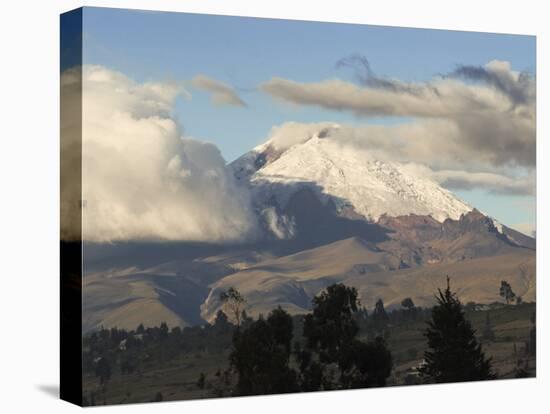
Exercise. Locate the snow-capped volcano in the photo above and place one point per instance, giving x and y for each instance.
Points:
(348, 176)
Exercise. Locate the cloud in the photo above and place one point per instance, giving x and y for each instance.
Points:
(286, 135)
(494, 183)
(366, 76)
(518, 87)
(439, 143)
(468, 180)
(222, 94)
(485, 122)
(141, 179)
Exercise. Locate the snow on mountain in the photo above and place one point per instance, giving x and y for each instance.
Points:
(348, 176)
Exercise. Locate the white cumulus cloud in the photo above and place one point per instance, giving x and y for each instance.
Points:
(143, 180)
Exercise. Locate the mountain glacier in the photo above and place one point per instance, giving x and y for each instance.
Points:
(351, 178)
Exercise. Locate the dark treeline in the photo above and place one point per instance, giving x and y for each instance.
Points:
(118, 351)
(338, 345)
(305, 344)
(130, 350)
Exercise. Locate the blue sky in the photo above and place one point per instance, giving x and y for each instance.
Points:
(244, 52)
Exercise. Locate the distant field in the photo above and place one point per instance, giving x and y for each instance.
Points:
(176, 380)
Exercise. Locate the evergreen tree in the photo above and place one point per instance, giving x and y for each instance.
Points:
(330, 332)
(221, 323)
(453, 354)
(261, 356)
(379, 313)
(331, 326)
(379, 317)
(163, 330)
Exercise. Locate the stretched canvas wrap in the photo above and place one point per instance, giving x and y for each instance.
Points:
(263, 206)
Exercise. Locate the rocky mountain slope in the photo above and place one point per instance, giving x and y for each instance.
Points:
(412, 261)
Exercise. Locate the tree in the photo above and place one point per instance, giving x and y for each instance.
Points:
(519, 300)
(261, 356)
(506, 292)
(163, 330)
(221, 323)
(365, 364)
(410, 309)
(380, 317)
(453, 354)
(233, 303)
(407, 303)
(379, 314)
(331, 324)
(330, 332)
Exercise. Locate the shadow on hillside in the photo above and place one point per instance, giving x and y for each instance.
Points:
(320, 219)
(317, 223)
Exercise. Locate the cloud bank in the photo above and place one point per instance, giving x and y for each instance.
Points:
(141, 179)
(488, 120)
(222, 94)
